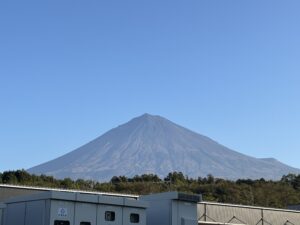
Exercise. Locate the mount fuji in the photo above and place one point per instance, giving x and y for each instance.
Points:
(153, 144)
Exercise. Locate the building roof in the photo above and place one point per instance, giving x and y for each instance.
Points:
(80, 197)
(248, 206)
(66, 190)
(173, 196)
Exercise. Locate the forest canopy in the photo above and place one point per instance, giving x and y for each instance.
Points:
(259, 192)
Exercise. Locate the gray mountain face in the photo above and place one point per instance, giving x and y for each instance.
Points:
(152, 144)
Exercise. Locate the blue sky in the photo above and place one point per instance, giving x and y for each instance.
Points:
(71, 70)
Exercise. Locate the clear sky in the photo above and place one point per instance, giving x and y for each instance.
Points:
(71, 70)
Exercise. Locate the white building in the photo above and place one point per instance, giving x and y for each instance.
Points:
(70, 208)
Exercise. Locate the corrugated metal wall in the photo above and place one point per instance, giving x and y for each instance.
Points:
(281, 217)
(226, 213)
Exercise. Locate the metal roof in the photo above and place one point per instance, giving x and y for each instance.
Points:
(67, 190)
(80, 197)
(248, 206)
(173, 196)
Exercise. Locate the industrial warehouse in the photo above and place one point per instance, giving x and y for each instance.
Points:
(46, 206)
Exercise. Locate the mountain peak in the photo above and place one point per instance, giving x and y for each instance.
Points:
(147, 116)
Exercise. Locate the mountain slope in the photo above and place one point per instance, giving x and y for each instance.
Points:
(152, 144)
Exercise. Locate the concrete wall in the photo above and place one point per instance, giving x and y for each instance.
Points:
(171, 208)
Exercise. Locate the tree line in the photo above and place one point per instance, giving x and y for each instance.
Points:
(260, 192)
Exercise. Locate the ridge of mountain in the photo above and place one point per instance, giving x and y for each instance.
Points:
(153, 144)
